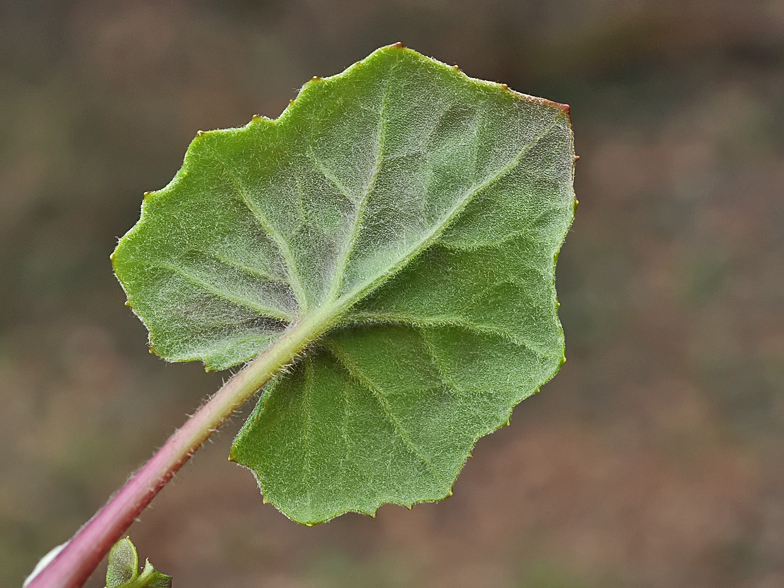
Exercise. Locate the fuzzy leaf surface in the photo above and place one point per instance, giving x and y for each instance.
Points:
(411, 216)
(123, 569)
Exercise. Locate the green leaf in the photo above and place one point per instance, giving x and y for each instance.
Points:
(404, 220)
(123, 569)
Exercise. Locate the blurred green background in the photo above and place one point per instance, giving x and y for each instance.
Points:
(656, 457)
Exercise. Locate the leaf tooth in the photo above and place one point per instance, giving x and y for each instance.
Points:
(398, 45)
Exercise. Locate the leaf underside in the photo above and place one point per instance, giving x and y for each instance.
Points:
(123, 569)
(419, 209)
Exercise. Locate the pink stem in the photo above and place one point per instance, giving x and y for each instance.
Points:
(74, 564)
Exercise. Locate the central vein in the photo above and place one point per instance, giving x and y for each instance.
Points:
(345, 256)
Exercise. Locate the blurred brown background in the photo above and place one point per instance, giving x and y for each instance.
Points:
(655, 459)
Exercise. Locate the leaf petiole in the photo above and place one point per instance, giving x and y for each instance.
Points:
(77, 560)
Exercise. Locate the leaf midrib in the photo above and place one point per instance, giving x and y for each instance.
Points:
(334, 310)
(348, 250)
(312, 324)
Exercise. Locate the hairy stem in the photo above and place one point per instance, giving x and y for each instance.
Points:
(74, 564)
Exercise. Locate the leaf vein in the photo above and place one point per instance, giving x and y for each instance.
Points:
(354, 372)
(351, 244)
(242, 267)
(446, 321)
(219, 292)
(362, 289)
(474, 245)
(442, 372)
(330, 176)
(280, 242)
